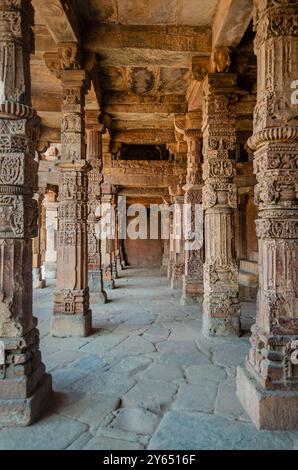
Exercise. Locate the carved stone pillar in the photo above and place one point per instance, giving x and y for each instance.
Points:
(37, 277)
(171, 248)
(24, 386)
(107, 243)
(221, 307)
(193, 273)
(72, 316)
(51, 212)
(178, 244)
(94, 157)
(268, 386)
(165, 257)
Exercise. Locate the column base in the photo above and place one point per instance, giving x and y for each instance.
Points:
(164, 270)
(37, 281)
(214, 326)
(176, 284)
(23, 412)
(99, 298)
(187, 299)
(68, 326)
(110, 284)
(268, 409)
(95, 284)
(192, 290)
(50, 270)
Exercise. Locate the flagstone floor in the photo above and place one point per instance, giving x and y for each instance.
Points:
(145, 379)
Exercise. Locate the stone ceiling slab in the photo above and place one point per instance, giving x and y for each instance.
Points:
(196, 12)
(147, 12)
(173, 81)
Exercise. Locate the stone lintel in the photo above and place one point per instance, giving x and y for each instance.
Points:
(162, 38)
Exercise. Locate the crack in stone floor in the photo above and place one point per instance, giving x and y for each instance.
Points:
(145, 379)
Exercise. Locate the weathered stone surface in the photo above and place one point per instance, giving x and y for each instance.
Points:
(199, 397)
(230, 353)
(183, 358)
(161, 372)
(198, 431)
(152, 395)
(104, 443)
(136, 420)
(51, 433)
(156, 333)
(227, 403)
(134, 345)
(89, 409)
(177, 347)
(205, 372)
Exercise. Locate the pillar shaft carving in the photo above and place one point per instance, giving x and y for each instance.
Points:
(273, 359)
(51, 215)
(221, 303)
(178, 266)
(71, 299)
(95, 179)
(193, 274)
(24, 386)
(108, 244)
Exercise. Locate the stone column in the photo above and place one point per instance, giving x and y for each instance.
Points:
(171, 248)
(178, 244)
(24, 386)
(94, 157)
(221, 307)
(38, 281)
(72, 316)
(51, 209)
(166, 257)
(107, 244)
(194, 258)
(268, 386)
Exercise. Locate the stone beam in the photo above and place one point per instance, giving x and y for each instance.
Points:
(134, 173)
(162, 38)
(144, 192)
(231, 22)
(145, 136)
(60, 19)
(164, 108)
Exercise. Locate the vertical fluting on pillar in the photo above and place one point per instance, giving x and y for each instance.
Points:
(95, 179)
(221, 307)
(24, 386)
(268, 386)
(194, 257)
(72, 316)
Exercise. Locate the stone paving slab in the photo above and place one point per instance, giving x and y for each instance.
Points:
(50, 433)
(181, 430)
